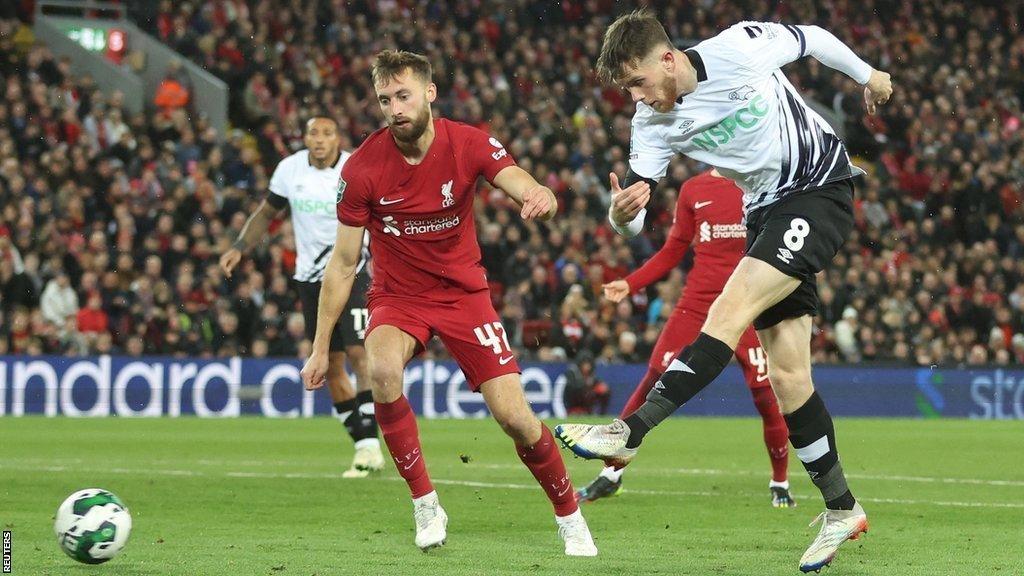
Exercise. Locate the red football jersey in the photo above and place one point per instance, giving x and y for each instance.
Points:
(709, 215)
(420, 217)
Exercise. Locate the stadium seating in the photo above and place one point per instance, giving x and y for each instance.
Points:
(133, 210)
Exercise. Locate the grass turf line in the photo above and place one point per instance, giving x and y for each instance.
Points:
(262, 496)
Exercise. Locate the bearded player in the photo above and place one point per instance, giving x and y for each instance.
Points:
(412, 186)
(708, 216)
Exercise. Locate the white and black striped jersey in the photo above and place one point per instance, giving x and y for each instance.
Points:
(746, 119)
(312, 195)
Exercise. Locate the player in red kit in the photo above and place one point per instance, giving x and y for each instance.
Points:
(708, 216)
(412, 186)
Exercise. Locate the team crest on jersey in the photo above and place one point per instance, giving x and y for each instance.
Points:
(341, 189)
(742, 93)
(446, 193)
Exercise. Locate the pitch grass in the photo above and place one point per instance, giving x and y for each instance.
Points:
(260, 496)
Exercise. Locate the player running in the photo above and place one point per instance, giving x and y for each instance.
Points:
(709, 214)
(412, 186)
(725, 102)
(307, 182)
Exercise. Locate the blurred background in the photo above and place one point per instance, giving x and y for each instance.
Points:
(135, 138)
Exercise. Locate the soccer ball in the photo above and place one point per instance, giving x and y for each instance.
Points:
(92, 525)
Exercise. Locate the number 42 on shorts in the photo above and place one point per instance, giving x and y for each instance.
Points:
(492, 335)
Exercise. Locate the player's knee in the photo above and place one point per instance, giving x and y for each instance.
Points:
(788, 376)
(521, 426)
(385, 377)
(727, 321)
(789, 383)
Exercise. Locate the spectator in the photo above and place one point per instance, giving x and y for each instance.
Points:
(940, 208)
(92, 320)
(172, 92)
(626, 351)
(59, 301)
(846, 336)
(585, 393)
(17, 288)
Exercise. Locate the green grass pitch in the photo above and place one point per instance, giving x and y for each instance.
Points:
(256, 496)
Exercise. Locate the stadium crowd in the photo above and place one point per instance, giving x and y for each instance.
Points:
(111, 223)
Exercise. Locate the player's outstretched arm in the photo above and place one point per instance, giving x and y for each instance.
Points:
(535, 201)
(616, 290)
(878, 90)
(254, 229)
(339, 275)
(830, 51)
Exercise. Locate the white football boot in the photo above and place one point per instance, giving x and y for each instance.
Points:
(604, 442)
(575, 533)
(368, 458)
(837, 526)
(431, 522)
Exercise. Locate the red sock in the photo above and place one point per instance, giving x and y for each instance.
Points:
(776, 433)
(398, 425)
(545, 463)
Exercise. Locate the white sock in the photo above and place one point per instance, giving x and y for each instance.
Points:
(612, 474)
(368, 443)
(784, 484)
(428, 498)
(570, 518)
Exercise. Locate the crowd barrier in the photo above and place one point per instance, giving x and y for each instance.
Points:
(151, 387)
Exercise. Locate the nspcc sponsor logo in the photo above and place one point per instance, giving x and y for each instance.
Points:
(743, 119)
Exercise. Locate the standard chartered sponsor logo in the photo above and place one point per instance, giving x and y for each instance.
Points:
(153, 387)
(430, 225)
(743, 119)
(709, 232)
(998, 395)
(728, 231)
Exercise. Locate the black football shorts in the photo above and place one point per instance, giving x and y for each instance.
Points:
(799, 235)
(351, 327)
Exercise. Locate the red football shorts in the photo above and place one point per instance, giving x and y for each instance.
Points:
(682, 329)
(468, 326)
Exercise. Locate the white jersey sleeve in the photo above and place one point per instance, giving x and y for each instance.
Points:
(280, 178)
(649, 151)
(768, 46)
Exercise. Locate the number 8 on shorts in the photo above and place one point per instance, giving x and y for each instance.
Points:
(794, 237)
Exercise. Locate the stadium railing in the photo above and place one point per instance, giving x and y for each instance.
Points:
(54, 19)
